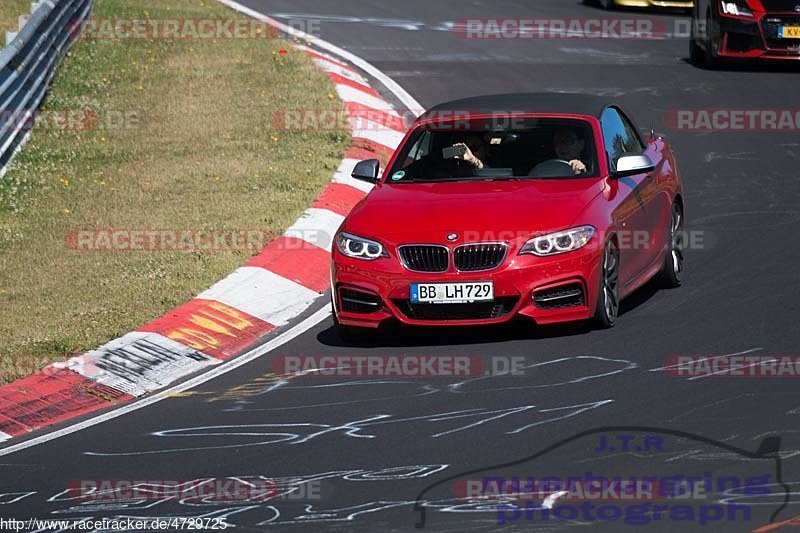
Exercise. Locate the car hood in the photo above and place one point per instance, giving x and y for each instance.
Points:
(475, 210)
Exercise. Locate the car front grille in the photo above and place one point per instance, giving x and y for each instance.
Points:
(770, 25)
(467, 257)
(425, 257)
(474, 257)
(466, 311)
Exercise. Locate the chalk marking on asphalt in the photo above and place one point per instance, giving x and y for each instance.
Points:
(19, 496)
(679, 365)
(726, 370)
(455, 387)
(550, 501)
(425, 390)
(581, 408)
(738, 156)
(285, 432)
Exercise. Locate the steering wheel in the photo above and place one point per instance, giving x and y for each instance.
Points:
(552, 168)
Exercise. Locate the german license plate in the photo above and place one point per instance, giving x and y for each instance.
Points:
(452, 293)
(789, 32)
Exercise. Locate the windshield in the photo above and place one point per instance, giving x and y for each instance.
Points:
(532, 149)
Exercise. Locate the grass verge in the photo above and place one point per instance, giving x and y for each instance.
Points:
(184, 140)
(10, 10)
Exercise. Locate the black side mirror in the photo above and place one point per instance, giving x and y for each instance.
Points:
(367, 170)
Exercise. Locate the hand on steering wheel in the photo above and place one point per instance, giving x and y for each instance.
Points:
(558, 168)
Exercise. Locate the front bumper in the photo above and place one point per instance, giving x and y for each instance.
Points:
(758, 39)
(385, 284)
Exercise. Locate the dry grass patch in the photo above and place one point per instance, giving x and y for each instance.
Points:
(10, 10)
(197, 150)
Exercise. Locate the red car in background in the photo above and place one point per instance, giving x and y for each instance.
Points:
(547, 206)
(745, 29)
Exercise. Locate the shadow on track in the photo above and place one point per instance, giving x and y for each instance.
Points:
(395, 334)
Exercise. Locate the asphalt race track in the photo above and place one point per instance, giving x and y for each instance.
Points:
(372, 447)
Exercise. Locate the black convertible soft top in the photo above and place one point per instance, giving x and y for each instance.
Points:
(555, 103)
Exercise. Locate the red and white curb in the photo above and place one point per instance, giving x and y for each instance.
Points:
(226, 320)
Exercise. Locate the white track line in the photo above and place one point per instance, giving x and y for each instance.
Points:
(407, 100)
(273, 344)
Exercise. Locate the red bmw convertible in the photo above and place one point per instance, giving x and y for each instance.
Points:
(547, 206)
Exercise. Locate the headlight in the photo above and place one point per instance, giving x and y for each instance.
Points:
(359, 247)
(735, 9)
(559, 242)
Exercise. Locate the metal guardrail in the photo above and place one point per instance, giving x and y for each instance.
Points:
(28, 64)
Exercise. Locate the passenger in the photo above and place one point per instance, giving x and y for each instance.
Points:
(475, 151)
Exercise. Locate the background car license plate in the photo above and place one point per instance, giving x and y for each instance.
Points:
(448, 293)
(789, 32)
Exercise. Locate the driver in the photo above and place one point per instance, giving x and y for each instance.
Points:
(475, 151)
(568, 144)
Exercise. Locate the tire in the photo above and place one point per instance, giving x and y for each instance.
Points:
(607, 309)
(671, 275)
(696, 54)
(710, 59)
